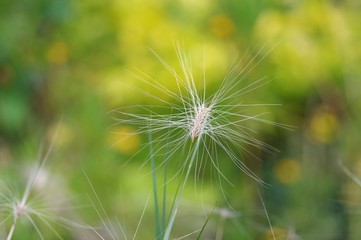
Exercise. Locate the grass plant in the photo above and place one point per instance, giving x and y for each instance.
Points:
(199, 125)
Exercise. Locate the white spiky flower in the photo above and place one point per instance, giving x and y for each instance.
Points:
(39, 205)
(202, 121)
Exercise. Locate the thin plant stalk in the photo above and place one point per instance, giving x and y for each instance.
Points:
(177, 203)
(164, 192)
(160, 222)
(11, 232)
(155, 191)
(204, 225)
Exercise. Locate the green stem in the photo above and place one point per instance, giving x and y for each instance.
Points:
(176, 206)
(164, 191)
(156, 203)
(11, 232)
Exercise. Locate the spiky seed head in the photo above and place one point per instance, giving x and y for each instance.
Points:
(199, 121)
(19, 209)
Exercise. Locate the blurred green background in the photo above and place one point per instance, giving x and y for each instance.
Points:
(62, 69)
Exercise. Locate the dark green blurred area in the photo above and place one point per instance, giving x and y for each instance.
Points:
(62, 71)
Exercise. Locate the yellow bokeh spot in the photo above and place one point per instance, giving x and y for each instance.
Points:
(280, 234)
(60, 134)
(287, 171)
(269, 25)
(323, 125)
(58, 53)
(124, 139)
(112, 88)
(221, 26)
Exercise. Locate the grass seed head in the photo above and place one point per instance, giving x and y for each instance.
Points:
(19, 209)
(199, 122)
(218, 120)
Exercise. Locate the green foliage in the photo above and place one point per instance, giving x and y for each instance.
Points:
(62, 69)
